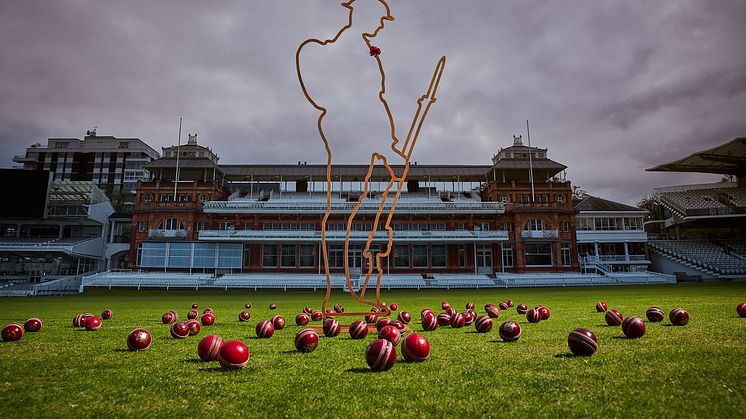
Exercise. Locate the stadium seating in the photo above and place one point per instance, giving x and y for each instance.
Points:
(700, 254)
(702, 199)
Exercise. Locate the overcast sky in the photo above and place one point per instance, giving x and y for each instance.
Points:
(610, 87)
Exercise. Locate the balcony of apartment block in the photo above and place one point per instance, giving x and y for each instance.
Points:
(458, 236)
(166, 234)
(540, 234)
(170, 206)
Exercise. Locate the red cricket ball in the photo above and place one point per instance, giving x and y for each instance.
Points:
(391, 334)
(533, 316)
(382, 322)
(470, 306)
(655, 314)
(317, 315)
(415, 348)
(457, 321)
(329, 312)
(79, 320)
(445, 305)
(179, 330)
(521, 309)
(425, 310)
(394, 306)
(272, 306)
(429, 321)
(613, 318)
(195, 305)
(330, 328)
(92, 323)
(194, 327)
(306, 340)
(399, 325)
(404, 317)
(12, 332)
(488, 305)
(601, 307)
(302, 319)
(510, 331)
(633, 327)
(741, 309)
(207, 310)
(483, 324)
(582, 342)
(247, 305)
(493, 312)
(32, 325)
(444, 319)
(192, 314)
(265, 329)
(678, 317)
(106, 314)
(371, 318)
(545, 313)
(308, 310)
(469, 317)
(451, 311)
(244, 316)
(233, 355)
(208, 319)
(358, 329)
(510, 303)
(209, 347)
(278, 322)
(503, 305)
(168, 317)
(380, 355)
(338, 308)
(139, 340)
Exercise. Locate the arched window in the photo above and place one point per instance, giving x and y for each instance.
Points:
(536, 224)
(170, 223)
(147, 198)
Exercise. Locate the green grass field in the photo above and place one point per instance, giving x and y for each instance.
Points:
(693, 371)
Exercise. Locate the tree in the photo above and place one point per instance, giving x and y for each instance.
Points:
(647, 202)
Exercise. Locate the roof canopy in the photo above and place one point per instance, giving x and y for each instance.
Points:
(726, 159)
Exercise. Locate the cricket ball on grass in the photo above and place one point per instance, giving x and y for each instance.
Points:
(92, 323)
(493, 312)
(510, 331)
(207, 310)
(233, 355)
(317, 315)
(457, 321)
(404, 317)
(545, 313)
(582, 342)
(394, 306)
(358, 329)
(195, 305)
(391, 334)
(209, 347)
(139, 340)
(503, 305)
(194, 327)
(613, 318)
(265, 329)
(306, 340)
(633, 327)
(330, 328)
(308, 310)
(483, 324)
(382, 322)
(601, 307)
(380, 355)
(272, 306)
(278, 322)
(179, 330)
(415, 348)
(12, 332)
(168, 317)
(208, 319)
(338, 308)
(429, 321)
(522, 309)
(192, 314)
(444, 319)
(32, 325)
(247, 305)
(533, 316)
(244, 316)
(741, 309)
(678, 317)
(655, 314)
(302, 319)
(445, 305)
(106, 314)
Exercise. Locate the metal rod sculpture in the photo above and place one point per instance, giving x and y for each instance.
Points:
(405, 152)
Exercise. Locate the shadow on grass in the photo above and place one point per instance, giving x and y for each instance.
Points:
(473, 332)
(215, 369)
(567, 355)
(193, 361)
(288, 352)
(360, 370)
(502, 341)
(122, 350)
(621, 337)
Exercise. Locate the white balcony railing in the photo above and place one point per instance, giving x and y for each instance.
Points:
(319, 207)
(167, 234)
(338, 236)
(540, 234)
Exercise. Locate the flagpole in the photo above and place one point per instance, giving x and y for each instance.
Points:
(178, 147)
(530, 164)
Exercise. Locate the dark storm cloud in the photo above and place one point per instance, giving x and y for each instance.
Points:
(610, 87)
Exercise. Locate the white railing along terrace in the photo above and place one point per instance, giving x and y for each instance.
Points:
(337, 235)
(319, 207)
